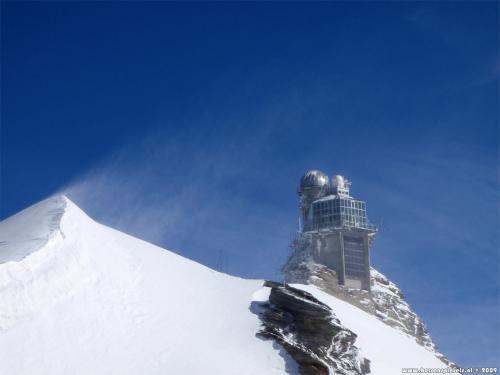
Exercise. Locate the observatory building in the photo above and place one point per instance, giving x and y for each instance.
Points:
(337, 226)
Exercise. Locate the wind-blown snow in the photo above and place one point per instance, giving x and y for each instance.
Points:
(77, 297)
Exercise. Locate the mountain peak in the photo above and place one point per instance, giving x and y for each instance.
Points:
(80, 297)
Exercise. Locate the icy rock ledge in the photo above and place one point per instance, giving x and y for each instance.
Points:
(310, 332)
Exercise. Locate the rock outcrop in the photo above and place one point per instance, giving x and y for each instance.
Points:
(386, 301)
(309, 332)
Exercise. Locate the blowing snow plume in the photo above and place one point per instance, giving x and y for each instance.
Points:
(190, 190)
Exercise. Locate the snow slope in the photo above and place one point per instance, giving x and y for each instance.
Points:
(77, 297)
(87, 299)
(388, 348)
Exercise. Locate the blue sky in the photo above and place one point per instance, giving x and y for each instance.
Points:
(189, 124)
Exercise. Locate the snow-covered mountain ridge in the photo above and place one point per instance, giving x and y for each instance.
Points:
(79, 297)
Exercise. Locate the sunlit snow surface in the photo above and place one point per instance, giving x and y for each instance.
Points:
(93, 300)
(77, 297)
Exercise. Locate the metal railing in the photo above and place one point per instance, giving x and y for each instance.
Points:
(342, 225)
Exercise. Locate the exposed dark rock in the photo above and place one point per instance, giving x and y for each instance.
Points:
(309, 331)
(271, 284)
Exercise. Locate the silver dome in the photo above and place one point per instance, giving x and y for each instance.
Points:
(313, 179)
(338, 181)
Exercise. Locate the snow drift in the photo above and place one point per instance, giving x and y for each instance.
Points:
(78, 297)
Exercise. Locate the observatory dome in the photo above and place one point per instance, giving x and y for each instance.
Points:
(313, 179)
(338, 181)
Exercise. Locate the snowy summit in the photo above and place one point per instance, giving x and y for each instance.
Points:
(82, 298)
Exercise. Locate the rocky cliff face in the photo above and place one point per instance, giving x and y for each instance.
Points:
(386, 301)
(309, 332)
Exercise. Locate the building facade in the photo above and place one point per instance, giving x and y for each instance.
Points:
(338, 227)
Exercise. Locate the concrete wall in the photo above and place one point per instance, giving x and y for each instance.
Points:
(328, 249)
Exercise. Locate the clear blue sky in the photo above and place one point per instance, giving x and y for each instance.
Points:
(189, 124)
